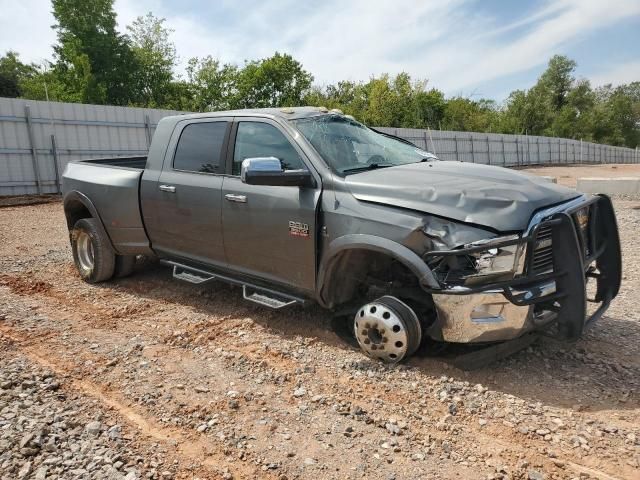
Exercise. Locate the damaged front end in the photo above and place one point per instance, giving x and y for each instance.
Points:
(500, 288)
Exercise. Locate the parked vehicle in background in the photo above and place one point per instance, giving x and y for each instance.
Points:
(300, 205)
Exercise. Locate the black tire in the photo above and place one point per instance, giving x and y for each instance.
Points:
(124, 265)
(98, 265)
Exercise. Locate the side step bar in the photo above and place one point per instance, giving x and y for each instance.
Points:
(254, 293)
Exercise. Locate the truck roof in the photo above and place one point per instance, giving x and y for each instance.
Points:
(287, 113)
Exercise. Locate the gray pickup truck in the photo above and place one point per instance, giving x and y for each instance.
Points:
(300, 205)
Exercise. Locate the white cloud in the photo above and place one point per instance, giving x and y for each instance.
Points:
(25, 28)
(447, 42)
(617, 74)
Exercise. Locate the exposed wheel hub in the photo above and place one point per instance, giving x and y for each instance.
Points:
(85, 251)
(387, 329)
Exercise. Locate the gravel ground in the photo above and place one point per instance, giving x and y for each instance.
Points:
(149, 378)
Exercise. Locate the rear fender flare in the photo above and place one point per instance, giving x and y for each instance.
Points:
(372, 243)
(78, 197)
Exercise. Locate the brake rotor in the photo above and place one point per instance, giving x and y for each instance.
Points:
(387, 329)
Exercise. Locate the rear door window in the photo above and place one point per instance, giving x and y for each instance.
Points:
(200, 148)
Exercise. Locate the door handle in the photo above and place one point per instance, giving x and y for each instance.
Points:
(167, 188)
(236, 198)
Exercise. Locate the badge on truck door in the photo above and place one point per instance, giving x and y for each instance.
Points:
(298, 229)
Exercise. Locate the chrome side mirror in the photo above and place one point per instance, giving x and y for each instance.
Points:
(268, 171)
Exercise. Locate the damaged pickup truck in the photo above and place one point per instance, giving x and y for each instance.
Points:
(300, 205)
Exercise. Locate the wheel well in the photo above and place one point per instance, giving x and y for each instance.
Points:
(359, 273)
(74, 211)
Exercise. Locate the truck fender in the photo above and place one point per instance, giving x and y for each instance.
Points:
(373, 243)
(70, 202)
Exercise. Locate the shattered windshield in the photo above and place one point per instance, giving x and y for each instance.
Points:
(350, 147)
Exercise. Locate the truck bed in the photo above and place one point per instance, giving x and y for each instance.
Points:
(128, 162)
(113, 185)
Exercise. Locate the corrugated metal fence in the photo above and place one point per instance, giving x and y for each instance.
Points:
(37, 139)
(513, 150)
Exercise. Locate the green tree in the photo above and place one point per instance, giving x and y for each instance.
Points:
(12, 73)
(156, 57)
(557, 80)
(213, 85)
(92, 60)
(277, 81)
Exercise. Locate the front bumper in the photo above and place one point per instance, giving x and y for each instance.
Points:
(505, 310)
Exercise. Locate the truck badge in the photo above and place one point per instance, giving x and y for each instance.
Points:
(298, 229)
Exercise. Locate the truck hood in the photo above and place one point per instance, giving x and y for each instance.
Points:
(495, 197)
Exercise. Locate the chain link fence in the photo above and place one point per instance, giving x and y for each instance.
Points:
(37, 139)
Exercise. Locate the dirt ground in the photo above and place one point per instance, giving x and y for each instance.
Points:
(145, 377)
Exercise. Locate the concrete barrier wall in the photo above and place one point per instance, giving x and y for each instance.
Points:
(611, 186)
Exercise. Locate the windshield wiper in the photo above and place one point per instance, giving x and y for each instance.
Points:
(371, 166)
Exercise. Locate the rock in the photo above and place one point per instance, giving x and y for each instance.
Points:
(24, 471)
(309, 461)
(482, 422)
(41, 474)
(299, 392)
(93, 428)
(535, 475)
(115, 432)
(201, 389)
(24, 441)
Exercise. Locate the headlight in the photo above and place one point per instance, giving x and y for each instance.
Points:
(491, 262)
(496, 262)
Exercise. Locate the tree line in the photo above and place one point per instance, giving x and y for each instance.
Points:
(94, 63)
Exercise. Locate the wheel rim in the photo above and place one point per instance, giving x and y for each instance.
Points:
(387, 329)
(84, 247)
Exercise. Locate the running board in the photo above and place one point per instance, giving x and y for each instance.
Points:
(253, 293)
(191, 276)
(266, 299)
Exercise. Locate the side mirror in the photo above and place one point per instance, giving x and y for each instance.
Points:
(268, 171)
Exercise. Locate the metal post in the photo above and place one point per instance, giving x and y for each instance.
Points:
(559, 153)
(34, 150)
(147, 128)
(488, 151)
(473, 158)
(433, 147)
(517, 152)
(528, 152)
(426, 141)
(580, 150)
(538, 150)
(54, 151)
(455, 139)
(504, 158)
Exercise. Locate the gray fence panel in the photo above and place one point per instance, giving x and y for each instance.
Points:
(93, 131)
(514, 150)
(80, 131)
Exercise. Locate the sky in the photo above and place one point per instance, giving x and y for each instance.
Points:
(472, 48)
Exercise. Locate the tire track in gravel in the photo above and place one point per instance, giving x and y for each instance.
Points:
(193, 450)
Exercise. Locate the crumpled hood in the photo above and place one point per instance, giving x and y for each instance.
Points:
(496, 197)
